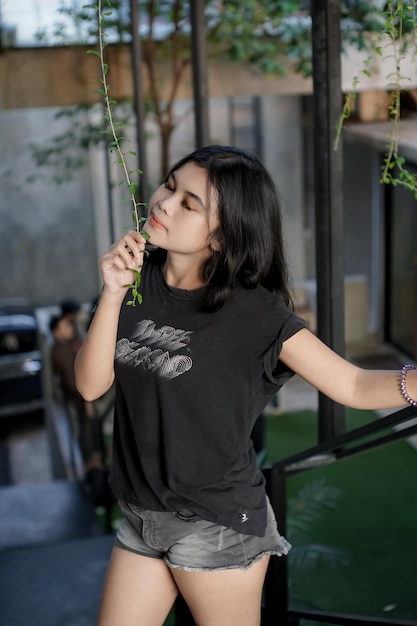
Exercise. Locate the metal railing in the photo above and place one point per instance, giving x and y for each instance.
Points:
(370, 436)
(344, 619)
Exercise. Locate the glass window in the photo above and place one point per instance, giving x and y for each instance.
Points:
(402, 269)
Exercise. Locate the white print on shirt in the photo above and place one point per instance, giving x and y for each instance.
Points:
(137, 352)
(164, 337)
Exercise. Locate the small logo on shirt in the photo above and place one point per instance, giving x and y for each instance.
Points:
(244, 517)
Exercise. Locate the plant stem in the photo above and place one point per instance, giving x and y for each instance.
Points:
(115, 143)
(109, 116)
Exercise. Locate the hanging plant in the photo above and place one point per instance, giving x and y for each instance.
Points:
(112, 128)
(398, 36)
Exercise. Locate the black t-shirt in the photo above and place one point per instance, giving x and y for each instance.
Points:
(189, 387)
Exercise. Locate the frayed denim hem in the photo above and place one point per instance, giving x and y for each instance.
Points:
(259, 556)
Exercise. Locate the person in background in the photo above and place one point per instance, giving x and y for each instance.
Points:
(86, 427)
(70, 310)
(194, 365)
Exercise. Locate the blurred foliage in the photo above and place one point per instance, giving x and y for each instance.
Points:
(304, 513)
(267, 34)
(396, 34)
(250, 31)
(65, 153)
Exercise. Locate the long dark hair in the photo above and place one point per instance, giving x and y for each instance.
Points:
(249, 236)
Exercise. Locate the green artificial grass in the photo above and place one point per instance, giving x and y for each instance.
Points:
(375, 522)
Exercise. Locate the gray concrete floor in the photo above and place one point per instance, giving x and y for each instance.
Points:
(29, 455)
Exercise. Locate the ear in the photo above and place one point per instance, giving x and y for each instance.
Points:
(214, 239)
(214, 244)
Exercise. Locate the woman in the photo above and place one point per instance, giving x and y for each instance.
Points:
(194, 365)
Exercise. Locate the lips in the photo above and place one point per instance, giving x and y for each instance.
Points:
(155, 222)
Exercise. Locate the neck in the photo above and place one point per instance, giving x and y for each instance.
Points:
(183, 274)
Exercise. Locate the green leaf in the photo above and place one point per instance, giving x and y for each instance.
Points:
(97, 54)
(137, 276)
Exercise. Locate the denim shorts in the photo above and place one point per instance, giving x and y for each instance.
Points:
(186, 541)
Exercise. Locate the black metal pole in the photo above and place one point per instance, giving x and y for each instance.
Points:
(183, 615)
(327, 96)
(199, 69)
(275, 606)
(138, 103)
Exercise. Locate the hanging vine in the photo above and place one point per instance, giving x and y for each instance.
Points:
(111, 128)
(398, 34)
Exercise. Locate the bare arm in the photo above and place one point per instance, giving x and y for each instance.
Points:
(94, 365)
(342, 381)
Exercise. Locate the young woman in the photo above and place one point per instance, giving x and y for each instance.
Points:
(194, 365)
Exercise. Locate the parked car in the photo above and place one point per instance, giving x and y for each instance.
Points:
(20, 360)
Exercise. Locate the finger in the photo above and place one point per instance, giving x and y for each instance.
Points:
(118, 257)
(133, 246)
(138, 237)
(129, 253)
(121, 264)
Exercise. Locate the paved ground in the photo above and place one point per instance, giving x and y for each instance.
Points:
(29, 454)
(24, 450)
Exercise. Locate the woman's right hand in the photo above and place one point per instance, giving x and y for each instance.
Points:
(124, 255)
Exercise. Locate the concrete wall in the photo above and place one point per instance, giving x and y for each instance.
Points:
(60, 76)
(363, 220)
(283, 146)
(52, 236)
(47, 240)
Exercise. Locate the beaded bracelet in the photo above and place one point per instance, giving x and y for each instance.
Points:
(403, 388)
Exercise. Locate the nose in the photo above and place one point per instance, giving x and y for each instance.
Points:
(167, 206)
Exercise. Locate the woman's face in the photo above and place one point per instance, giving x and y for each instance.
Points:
(183, 213)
